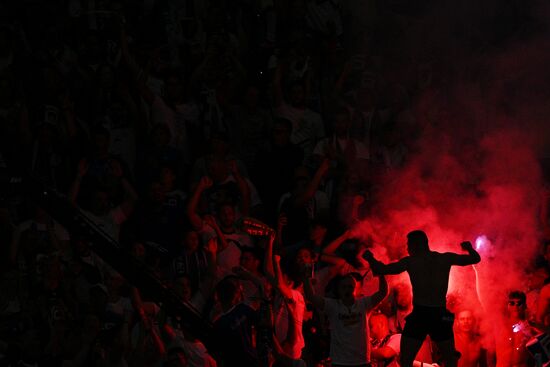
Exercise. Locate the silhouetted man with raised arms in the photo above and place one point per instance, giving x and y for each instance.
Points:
(429, 274)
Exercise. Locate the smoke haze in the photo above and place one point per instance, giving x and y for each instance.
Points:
(482, 129)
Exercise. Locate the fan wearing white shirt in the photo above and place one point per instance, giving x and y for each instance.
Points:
(347, 315)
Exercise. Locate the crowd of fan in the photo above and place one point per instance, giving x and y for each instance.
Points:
(170, 124)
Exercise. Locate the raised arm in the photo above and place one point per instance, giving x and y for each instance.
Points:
(463, 260)
(206, 286)
(328, 254)
(211, 221)
(75, 187)
(138, 74)
(280, 283)
(381, 293)
(309, 293)
(379, 268)
(204, 183)
(268, 260)
(313, 184)
(244, 189)
(130, 194)
(282, 221)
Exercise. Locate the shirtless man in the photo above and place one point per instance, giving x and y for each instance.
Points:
(468, 341)
(429, 275)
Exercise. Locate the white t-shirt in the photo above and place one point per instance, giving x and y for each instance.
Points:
(290, 310)
(349, 342)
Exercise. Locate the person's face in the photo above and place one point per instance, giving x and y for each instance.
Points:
(317, 232)
(301, 180)
(377, 328)
(516, 308)
(138, 250)
(227, 216)
(346, 289)
(465, 321)
(191, 242)
(182, 287)
(304, 257)
(249, 262)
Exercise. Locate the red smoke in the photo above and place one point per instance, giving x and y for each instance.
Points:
(474, 170)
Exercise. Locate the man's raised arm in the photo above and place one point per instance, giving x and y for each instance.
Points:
(463, 260)
(379, 268)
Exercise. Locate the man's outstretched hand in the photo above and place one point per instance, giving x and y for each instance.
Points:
(466, 246)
